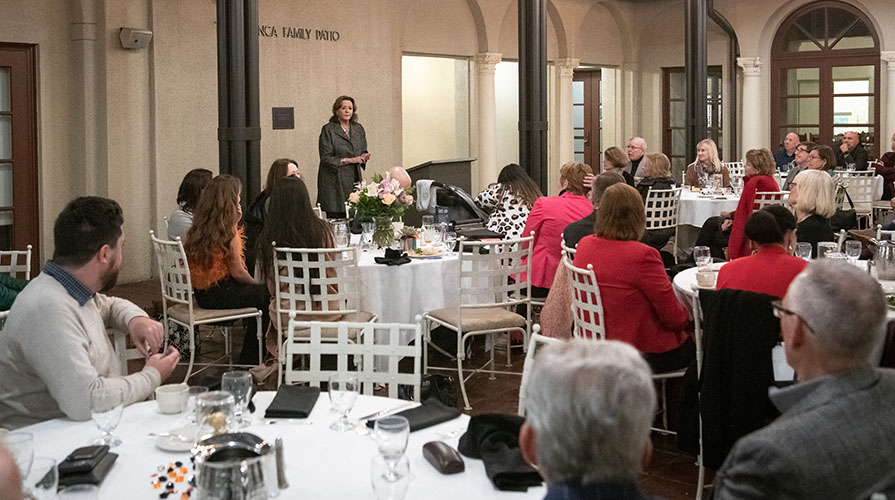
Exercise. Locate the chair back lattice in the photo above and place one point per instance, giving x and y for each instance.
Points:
(173, 270)
(534, 343)
(315, 281)
(662, 208)
(768, 198)
(570, 251)
(495, 273)
(882, 234)
(734, 168)
(587, 306)
(390, 341)
(860, 189)
(16, 263)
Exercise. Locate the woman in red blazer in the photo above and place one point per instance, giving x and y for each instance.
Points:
(548, 217)
(639, 305)
(772, 267)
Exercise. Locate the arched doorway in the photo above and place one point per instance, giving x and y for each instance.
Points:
(825, 76)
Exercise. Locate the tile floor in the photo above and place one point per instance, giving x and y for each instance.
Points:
(671, 474)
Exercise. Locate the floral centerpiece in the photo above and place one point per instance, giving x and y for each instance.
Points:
(383, 201)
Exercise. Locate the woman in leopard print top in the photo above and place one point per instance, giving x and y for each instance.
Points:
(509, 201)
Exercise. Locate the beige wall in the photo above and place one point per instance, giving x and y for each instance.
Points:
(129, 124)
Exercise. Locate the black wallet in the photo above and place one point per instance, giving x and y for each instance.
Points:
(87, 465)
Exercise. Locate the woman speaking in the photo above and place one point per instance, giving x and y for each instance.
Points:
(343, 153)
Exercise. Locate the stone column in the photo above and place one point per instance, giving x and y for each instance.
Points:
(751, 123)
(89, 176)
(883, 134)
(488, 169)
(565, 135)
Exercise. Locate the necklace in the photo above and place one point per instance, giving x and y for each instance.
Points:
(345, 129)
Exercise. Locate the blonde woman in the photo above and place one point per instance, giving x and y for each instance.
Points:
(616, 160)
(707, 164)
(813, 194)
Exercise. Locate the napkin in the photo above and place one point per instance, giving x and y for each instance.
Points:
(495, 440)
(393, 258)
(293, 401)
(430, 413)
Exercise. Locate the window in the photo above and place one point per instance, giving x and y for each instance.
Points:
(674, 114)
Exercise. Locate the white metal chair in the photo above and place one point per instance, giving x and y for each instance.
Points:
(319, 212)
(319, 339)
(570, 251)
(768, 198)
(840, 239)
(16, 264)
(697, 337)
(662, 211)
(860, 188)
(317, 283)
(493, 281)
(178, 304)
(587, 307)
(734, 168)
(533, 343)
(884, 233)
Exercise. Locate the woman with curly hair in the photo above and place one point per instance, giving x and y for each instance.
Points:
(214, 249)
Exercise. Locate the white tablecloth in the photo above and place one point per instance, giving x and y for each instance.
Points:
(320, 463)
(694, 210)
(684, 282)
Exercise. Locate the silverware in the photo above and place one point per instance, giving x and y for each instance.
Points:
(179, 437)
(385, 413)
(292, 421)
(282, 482)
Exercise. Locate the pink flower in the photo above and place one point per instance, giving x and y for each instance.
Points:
(388, 199)
(386, 186)
(354, 197)
(409, 199)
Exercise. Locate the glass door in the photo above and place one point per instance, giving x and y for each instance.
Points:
(587, 117)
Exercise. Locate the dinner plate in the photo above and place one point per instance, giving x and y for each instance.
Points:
(170, 443)
(425, 256)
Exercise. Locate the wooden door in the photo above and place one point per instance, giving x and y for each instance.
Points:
(587, 117)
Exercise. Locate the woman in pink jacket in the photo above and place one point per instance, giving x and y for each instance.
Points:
(548, 217)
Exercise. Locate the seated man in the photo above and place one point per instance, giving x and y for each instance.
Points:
(851, 153)
(836, 435)
(786, 154)
(800, 163)
(590, 406)
(54, 349)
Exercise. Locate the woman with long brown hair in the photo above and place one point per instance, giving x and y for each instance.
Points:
(509, 201)
(214, 249)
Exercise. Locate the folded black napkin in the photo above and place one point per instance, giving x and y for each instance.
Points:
(393, 258)
(293, 401)
(430, 413)
(495, 440)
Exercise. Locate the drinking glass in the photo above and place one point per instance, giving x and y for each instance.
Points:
(190, 407)
(449, 240)
(803, 250)
(428, 220)
(390, 483)
(438, 233)
(343, 391)
(44, 478)
(853, 250)
(825, 247)
(428, 228)
(79, 492)
(239, 384)
(391, 435)
(367, 234)
(21, 445)
(106, 405)
(214, 413)
(703, 258)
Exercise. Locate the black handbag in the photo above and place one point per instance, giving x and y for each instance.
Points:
(433, 386)
(844, 218)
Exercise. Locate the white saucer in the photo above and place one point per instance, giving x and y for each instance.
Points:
(169, 443)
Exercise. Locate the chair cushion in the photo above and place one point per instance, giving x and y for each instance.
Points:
(332, 333)
(181, 312)
(477, 319)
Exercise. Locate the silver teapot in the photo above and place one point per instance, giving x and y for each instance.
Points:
(235, 466)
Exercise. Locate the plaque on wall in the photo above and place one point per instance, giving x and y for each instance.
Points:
(283, 118)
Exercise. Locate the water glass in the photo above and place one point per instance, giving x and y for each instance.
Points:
(449, 240)
(390, 483)
(21, 446)
(79, 492)
(428, 220)
(391, 435)
(214, 413)
(239, 384)
(106, 405)
(825, 247)
(803, 250)
(343, 390)
(703, 258)
(367, 234)
(853, 250)
(190, 406)
(44, 478)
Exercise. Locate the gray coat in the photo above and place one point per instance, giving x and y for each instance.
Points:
(334, 181)
(838, 441)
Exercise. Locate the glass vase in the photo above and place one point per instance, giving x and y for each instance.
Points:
(383, 232)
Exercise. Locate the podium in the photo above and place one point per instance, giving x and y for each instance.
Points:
(454, 172)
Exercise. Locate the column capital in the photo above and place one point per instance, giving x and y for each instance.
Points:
(487, 60)
(751, 65)
(566, 66)
(889, 57)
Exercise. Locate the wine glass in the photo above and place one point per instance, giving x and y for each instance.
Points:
(41, 483)
(190, 407)
(343, 391)
(803, 250)
(825, 247)
(367, 234)
(390, 483)
(214, 413)
(21, 445)
(391, 435)
(106, 405)
(239, 384)
(703, 258)
(449, 240)
(853, 250)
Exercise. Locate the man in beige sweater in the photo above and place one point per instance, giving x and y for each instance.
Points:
(54, 349)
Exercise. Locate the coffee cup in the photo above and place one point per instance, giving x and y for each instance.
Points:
(171, 398)
(706, 279)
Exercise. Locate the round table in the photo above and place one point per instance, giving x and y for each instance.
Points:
(320, 463)
(685, 286)
(696, 208)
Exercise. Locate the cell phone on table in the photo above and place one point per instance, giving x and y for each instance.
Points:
(83, 459)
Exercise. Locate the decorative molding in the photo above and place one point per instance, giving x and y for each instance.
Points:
(485, 62)
(566, 67)
(751, 65)
(889, 57)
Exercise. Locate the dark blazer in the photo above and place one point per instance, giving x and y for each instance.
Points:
(838, 441)
(858, 156)
(655, 183)
(814, 229)
(335, 181)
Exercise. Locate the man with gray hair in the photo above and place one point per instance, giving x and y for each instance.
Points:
(590, 406)
(636, 150)
(836, 435)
